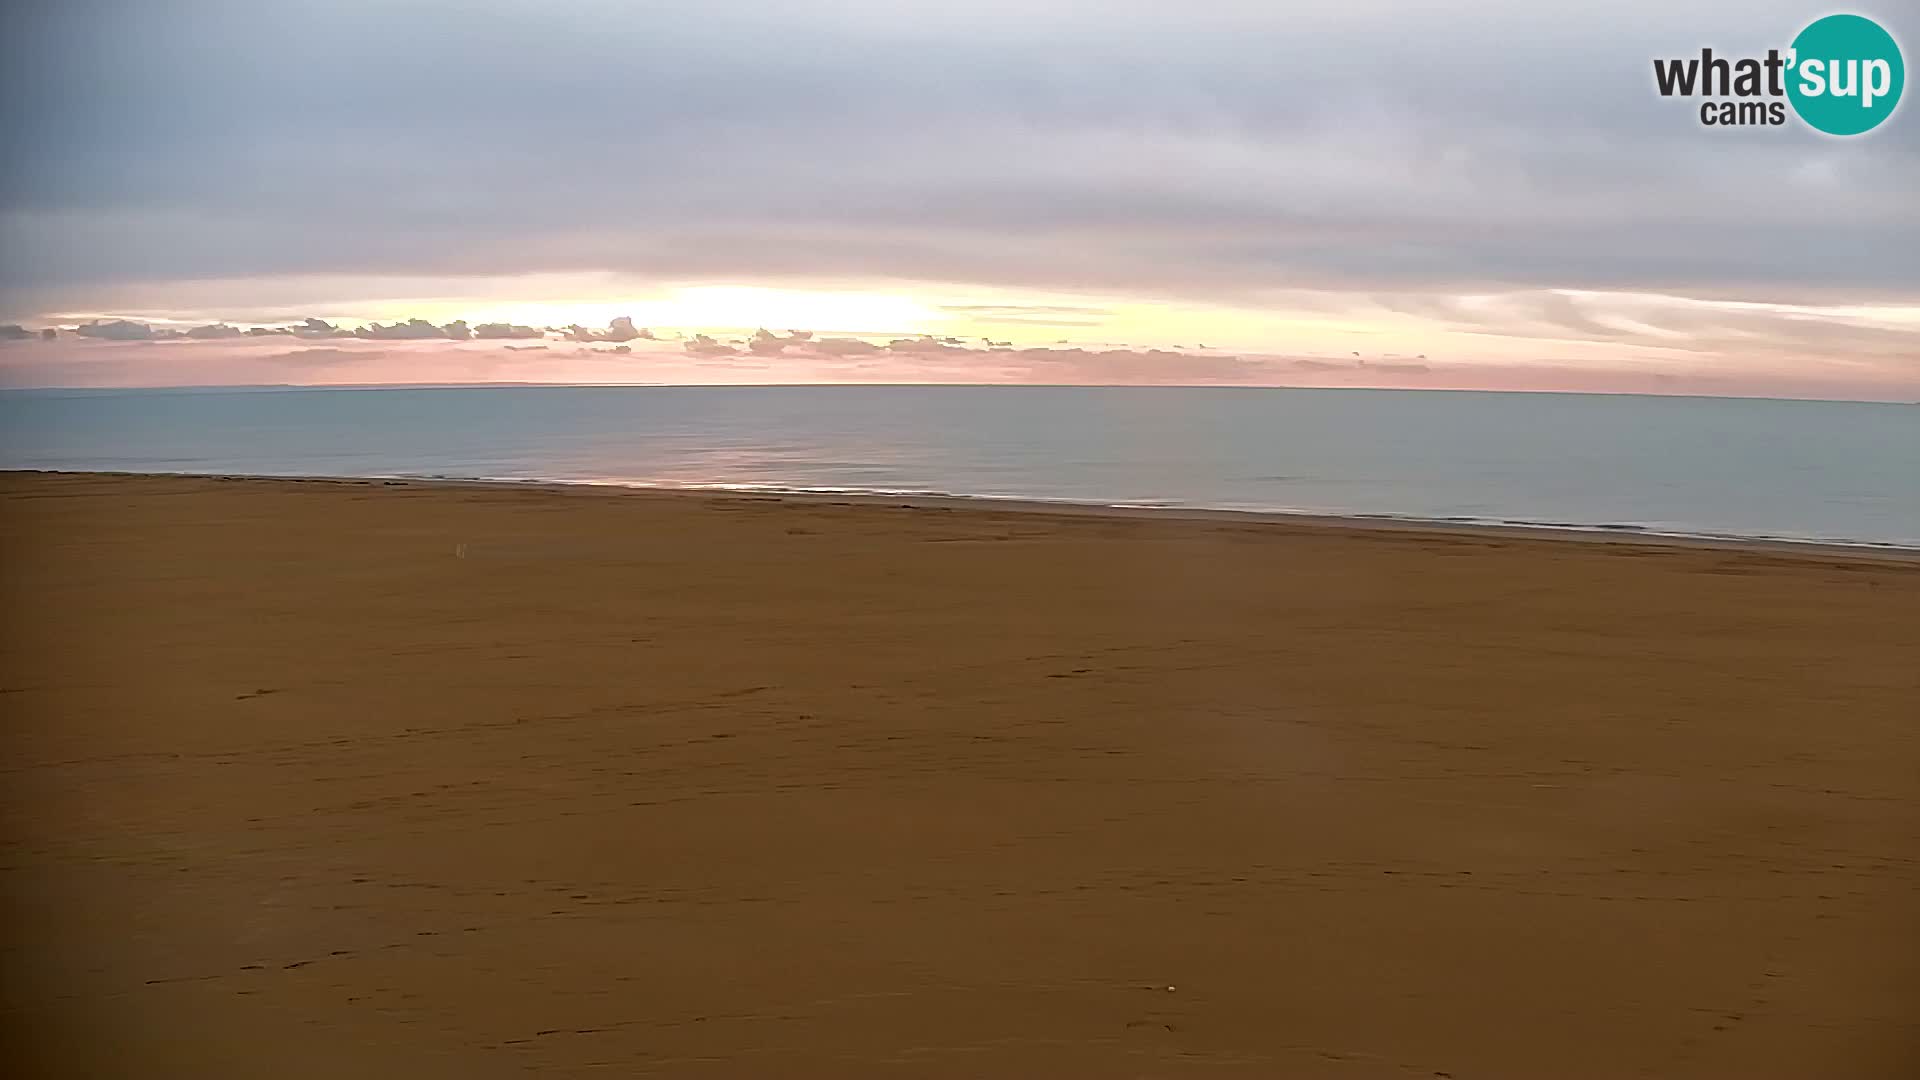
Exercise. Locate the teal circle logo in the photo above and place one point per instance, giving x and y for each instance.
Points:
(1845, 74)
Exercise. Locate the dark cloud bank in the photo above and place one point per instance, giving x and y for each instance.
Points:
(918, 358)
(619, 330)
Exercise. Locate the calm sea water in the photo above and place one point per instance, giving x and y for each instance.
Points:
(1724, 467)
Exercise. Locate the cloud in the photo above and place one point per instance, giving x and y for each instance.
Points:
(935, 359)
(620, 329)
(767, 343)
(924, 345)
(1162, 367)
(318, 328)
(808, 358)
(411, 330)
(1171, 152)
(1031, 314)
(922, 357)
(496, 331)
(845, 346)
(703, 345)
(14, 332)
(1034, 312)
(115, 330)
(323, 357)
(1669, 322)
(311, 328)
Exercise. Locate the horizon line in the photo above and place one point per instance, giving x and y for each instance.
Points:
(215, 388)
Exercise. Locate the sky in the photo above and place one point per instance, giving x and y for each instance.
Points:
(1488, 195)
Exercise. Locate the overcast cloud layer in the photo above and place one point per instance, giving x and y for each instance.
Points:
(1234, 153)
(1210, 148)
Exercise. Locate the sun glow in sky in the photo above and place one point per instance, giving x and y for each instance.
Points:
(720, 308)
(879, 331)
(1022, 317)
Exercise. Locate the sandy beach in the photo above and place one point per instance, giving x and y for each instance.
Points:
(331, 778)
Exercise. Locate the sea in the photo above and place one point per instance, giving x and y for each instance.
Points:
(1834, 472)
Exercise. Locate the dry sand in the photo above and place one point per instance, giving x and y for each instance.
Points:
(670, 785)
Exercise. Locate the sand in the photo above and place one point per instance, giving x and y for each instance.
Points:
(361, 779)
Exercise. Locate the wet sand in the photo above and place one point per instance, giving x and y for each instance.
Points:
(319, 778)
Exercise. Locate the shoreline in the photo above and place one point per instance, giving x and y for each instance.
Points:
(260, 388)
(1627, 535)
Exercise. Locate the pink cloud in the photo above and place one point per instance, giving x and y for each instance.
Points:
(403, 353)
